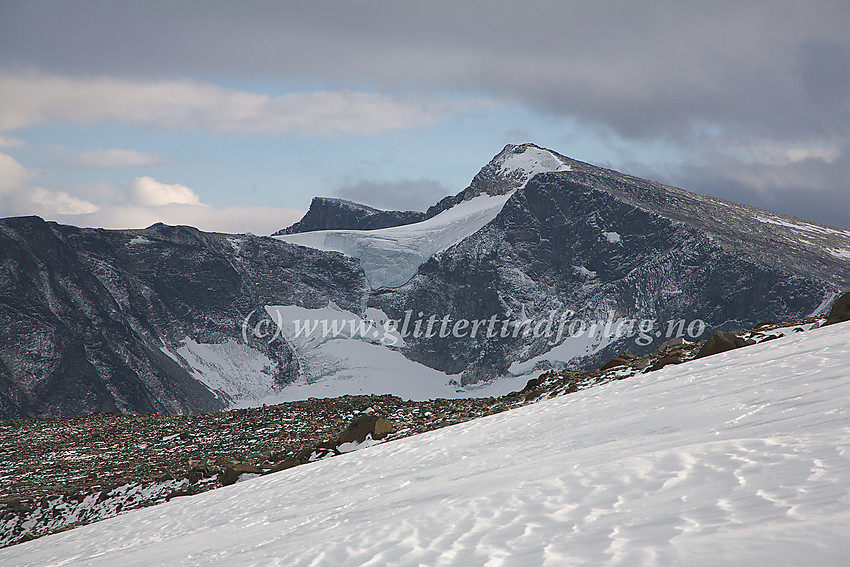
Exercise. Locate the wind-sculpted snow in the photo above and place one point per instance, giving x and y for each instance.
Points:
(741, 458)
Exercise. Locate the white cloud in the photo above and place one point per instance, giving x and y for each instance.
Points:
(12, 174)
(17, 197)
(138, 204)
(257, 220)
(47, 202)
(147, 191)
(774, 153)
(185, 104)
(99, 159)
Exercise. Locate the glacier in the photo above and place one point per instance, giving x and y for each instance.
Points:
(391, 256)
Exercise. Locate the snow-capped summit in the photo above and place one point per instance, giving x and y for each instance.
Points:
(509, 170)
(517, 164)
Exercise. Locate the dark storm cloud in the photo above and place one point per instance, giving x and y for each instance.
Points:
(694, 75)
(643, 68)
(809, 189)
(405, 194)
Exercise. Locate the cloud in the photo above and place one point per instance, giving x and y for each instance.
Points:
(808, 188)
(47, 202)
(648, 69)
(191, 105)
(140, 203)
(18, 197)
(772, 155)
(12, 174)
(235, 220)
(404, 194)
(147, 191)
(103, 159)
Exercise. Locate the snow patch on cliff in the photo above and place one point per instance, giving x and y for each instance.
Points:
(531, 162)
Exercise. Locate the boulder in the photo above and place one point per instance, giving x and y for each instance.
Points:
(840, 311)
(232, 472)
(363, 426)
(614, 363)
(664, 361)
(721, 341)
(672, 343)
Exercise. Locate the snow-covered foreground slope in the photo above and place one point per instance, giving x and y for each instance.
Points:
(742, 458)
(390, 256)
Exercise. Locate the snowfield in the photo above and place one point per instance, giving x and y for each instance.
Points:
(742, 458)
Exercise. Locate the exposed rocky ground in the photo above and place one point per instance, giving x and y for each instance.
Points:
(63, 472)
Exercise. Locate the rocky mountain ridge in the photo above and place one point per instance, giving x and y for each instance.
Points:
(163, 319)
(326, 213)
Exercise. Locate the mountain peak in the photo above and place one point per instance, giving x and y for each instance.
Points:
(327, 213)
(509, 170)
(515, 165)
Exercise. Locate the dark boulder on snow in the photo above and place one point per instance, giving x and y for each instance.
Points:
(840, 311)
(232, 472)
(614, 363)
(721, 341)
(364, 426)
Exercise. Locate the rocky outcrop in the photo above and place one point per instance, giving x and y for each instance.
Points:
(840, 310)
(722, 341)
(326, 213)
(366, 425)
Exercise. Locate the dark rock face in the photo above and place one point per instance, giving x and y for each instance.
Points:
(232, 472)
(326, 213)
(85, 313)
(598, 242)
(614, 363)
(840, 311)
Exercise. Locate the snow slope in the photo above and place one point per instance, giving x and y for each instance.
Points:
(349, 354)
(391, 256)
(742, 458)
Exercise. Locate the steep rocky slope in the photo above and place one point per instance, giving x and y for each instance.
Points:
(95, 320)
(327, 213)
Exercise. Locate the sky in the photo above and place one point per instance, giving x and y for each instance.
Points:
(231, 116)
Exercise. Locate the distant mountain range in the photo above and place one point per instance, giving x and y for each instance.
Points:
(172, 319)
